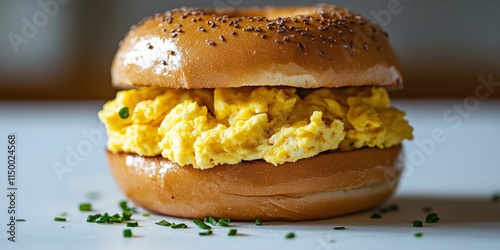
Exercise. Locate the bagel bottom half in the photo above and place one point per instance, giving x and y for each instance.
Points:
(329, 184)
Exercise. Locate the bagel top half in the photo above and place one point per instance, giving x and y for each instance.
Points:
(302, 47)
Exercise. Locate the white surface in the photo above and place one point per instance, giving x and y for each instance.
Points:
(457, 178)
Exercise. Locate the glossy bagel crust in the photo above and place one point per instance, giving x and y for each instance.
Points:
(305, 47)
(326, 185)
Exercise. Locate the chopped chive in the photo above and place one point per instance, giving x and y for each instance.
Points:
(290, 235)
(176, 226)
(123, 205)
(103, 218)
(376, 216)
(232, 232)
(224, 222)
(206, 233)
(427, 209)
(127, 233)
(132, 224)
(201, 225)
(59, 219)
(432, 218)
(258, 222)
(212, 221)
(163, 223)
(85, 207)
(419, 234)
(206, 219)
(123, 113)
(127, 214)
(20, 220)
(417, 223)
(91, 218)
(146, 214)
(339, 228)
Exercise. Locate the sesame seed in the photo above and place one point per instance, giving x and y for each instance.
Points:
(301, 46)
(321, 53)
(164, 30)
(323, 28)
(211, 43)
(172, 53)
(249, 28)
(277, 41)
(233, 33)
(258, 29)
(173, 35)
(169, 20)
(286, 38)
(222, 38)
(150, 46)
(163, 62)
(263, 36)
(201, 29)
(179, 25)
(365, 46)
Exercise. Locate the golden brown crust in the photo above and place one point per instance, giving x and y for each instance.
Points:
(309, 47)
(326, 185)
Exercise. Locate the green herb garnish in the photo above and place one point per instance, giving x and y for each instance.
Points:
(201, 224)
(432, 218)
(232, 232)
(376, 216)
(103, 218)
(146, 214)
(123, 113)
(127, 214)
(163, 223)
(290, 235)
(123, 205)
(206, 233)
(417, 223)
(419, 234)
(258, 222)
(59, 219)
(127, 233)
(176, 226)
(132, 224)
(20, 220)
(339, 228)
(93, 218)
(224, 222)
(85, 207)
(212, 221)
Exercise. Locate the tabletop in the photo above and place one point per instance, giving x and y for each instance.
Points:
(452, 168)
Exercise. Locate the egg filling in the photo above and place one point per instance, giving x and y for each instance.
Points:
(207, 127)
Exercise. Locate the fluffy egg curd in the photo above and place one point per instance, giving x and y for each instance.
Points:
(208, 127)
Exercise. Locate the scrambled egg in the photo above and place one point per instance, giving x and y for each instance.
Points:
(208, 127)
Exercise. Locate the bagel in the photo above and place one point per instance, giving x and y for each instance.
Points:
(275, 113)
(303, 47)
